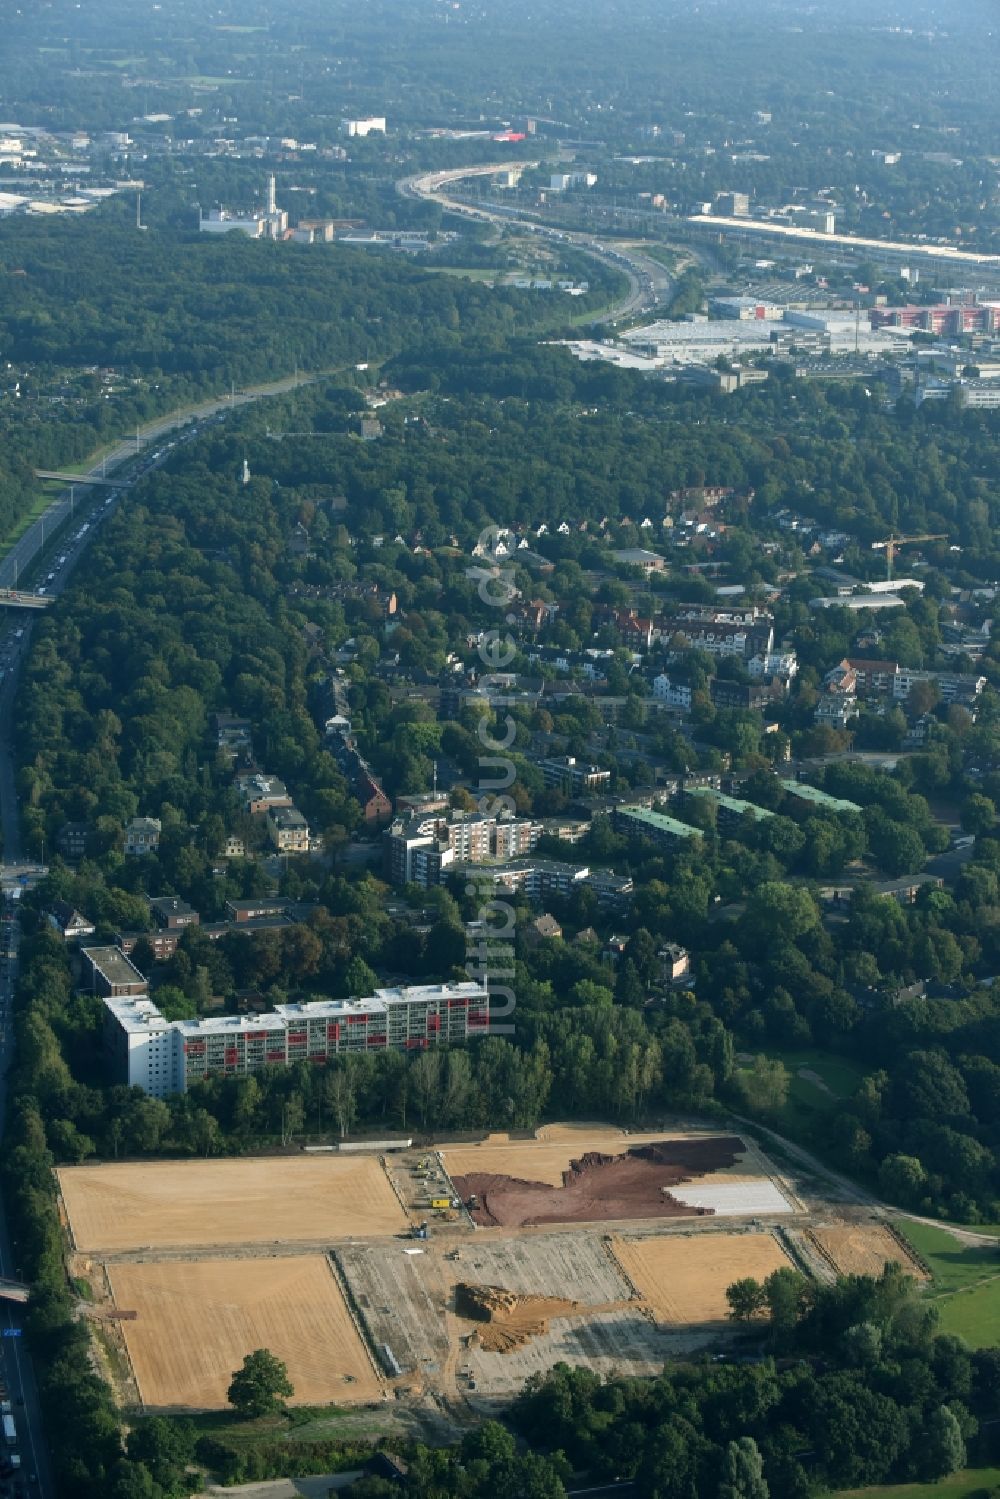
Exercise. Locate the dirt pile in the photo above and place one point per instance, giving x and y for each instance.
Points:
(510, 1319)
(599, 1187)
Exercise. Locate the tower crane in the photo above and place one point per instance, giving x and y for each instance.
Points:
(892, 544)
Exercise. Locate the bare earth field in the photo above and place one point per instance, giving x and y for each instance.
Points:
(545, 1159)
(408, 1302)
(594, 1176)
(170, 1204)
(862, 1248)
(683, 1279)
(199, 1318)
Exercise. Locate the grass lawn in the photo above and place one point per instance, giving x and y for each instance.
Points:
(48, 490)
(964, 1485)
(661, 253)
(811, 1097)
(307, 1424)
(966, 1285)
(467, 273)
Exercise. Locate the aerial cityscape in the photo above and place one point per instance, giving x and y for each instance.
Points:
(499, 750)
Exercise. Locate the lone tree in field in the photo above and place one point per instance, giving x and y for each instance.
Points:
(747, 1299)
(261, 1386)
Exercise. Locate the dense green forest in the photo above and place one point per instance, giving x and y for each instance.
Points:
(206, 609)
(104, 329)
(344, 570)
(808, 98)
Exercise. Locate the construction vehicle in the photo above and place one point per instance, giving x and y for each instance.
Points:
(438, 1203)
(419, 1231)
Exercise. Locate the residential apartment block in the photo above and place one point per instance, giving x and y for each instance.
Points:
(421, 850)
(573, 776)
(147, 1051)
(742, 633)
(657, 826)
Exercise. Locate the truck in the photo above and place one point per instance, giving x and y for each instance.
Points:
(9, 1430)
(440, 1202)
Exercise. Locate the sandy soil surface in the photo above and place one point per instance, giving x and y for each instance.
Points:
(862, 1248)
(684, 1279)
(546, 1158)
(169, 1204)
(599, 1187)
(199, 1318)
(510, 1318)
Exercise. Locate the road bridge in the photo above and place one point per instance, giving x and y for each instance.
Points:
(13, 1290)
(12, 598)
(91, 478)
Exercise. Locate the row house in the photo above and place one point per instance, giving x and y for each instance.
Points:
(376, 807)
(838, 700)
(635, 630)
(781, 664)
(752, 697)
(674, 694)
(889, 679)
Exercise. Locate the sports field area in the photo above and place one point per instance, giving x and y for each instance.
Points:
(175, 1204)
(683, 1278)
(862, 1248)
(971, 1483)
(965, 1281)
(544, 1159)
(197, 1319)
(600, 1175)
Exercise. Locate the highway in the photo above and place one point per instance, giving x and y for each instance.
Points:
(34, 1480)
(650, 284)
(16, 1372)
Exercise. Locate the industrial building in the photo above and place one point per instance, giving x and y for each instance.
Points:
(272, 223)
(145, 1050)
(943, 320)
(369, 125)
(735, 336)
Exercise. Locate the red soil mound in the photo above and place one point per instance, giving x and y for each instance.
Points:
(598, 1187)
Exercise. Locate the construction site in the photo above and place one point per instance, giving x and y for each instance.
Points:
(440, 1277)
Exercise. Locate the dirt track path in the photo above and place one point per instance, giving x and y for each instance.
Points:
(860, 1195)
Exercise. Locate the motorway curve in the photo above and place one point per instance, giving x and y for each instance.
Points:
(650, 284)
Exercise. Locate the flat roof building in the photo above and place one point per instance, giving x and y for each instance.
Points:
(111, 974)
(730, 808)
(658, 826)
(147, 1051)
(822, 800)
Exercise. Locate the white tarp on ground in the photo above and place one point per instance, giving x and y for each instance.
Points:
(734, 1199)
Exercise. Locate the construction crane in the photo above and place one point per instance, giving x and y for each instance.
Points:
(892, 544)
